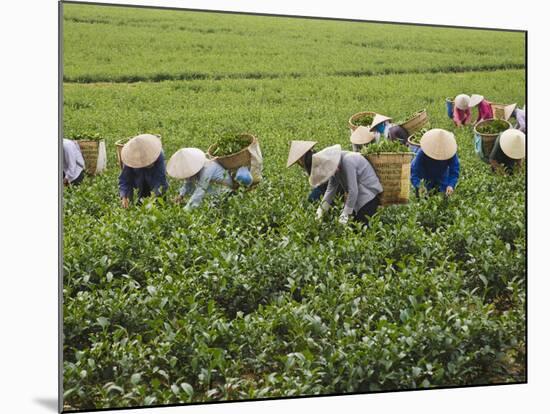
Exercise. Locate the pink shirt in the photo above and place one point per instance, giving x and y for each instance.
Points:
(485, 111)
(461, 116)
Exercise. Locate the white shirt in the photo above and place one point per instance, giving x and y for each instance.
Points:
(73, 162)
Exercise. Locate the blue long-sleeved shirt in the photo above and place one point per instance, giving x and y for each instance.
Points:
(211, 179)
(145, 180)
(441, 174)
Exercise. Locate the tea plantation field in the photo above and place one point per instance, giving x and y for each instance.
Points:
(252, 297)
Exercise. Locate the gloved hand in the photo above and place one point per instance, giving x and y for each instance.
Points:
(319, 213)
(243, 176)
(343, 218)
(321, 210)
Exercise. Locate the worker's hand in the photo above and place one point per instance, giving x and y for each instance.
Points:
(449, 191)
(499, 170)
(319, 213)
(65, 181)
(321, 210)
(178, 199)
(124, 201)
(343, 218)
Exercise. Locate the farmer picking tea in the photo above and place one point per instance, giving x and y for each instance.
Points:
(361, 137)
(354, 175)
(202, 176)
(143, 168)
(461, 111)
(508, 151)
(301, 153)
(436, 163)
(394, 132)
(484, 109)
(73, 163)
(515, 112)
(383, 127)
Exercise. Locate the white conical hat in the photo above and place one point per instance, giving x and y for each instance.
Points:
(185, 163)
(297, 151)
(362, 135)
(475, 100)
(438, 144)
(462, 101)
(509, 110)
(512, 143)
(324, 164)
(141, 151)
(378, 119)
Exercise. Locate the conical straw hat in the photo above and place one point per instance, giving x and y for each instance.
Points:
(297, 151)
(462, 101)
(512, 143)
(475, 100)
(141, 151)
(378, 119)
(185, 163)
(324, 164)
(438, 144)
(509, 110)
(362, 135)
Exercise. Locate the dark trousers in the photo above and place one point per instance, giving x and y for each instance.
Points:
(367, 211)
(78, 179)
(144, 191)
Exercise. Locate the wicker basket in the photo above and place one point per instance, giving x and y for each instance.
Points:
(233, 161)
(450, 107)
(352, 126)
(394, 172)
(94, 154)
(488, 140)
(118, 146)
(498, 110)
(413, 144)
(417, 122)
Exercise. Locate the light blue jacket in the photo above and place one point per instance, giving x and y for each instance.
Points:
(212, 179)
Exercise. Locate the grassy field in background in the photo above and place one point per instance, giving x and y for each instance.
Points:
(252, 297)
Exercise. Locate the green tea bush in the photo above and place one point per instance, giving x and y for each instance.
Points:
(493, 126)
(365, 120)
(249, 296)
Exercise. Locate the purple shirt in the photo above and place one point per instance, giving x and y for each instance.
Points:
(520, 117)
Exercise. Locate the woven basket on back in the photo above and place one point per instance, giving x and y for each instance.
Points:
(498, 110)
(412, 143)
(417, 122)
(394, 172)
(92, 151)
(488, 140)
(351, 123)
(233, 161)
(118, 146)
